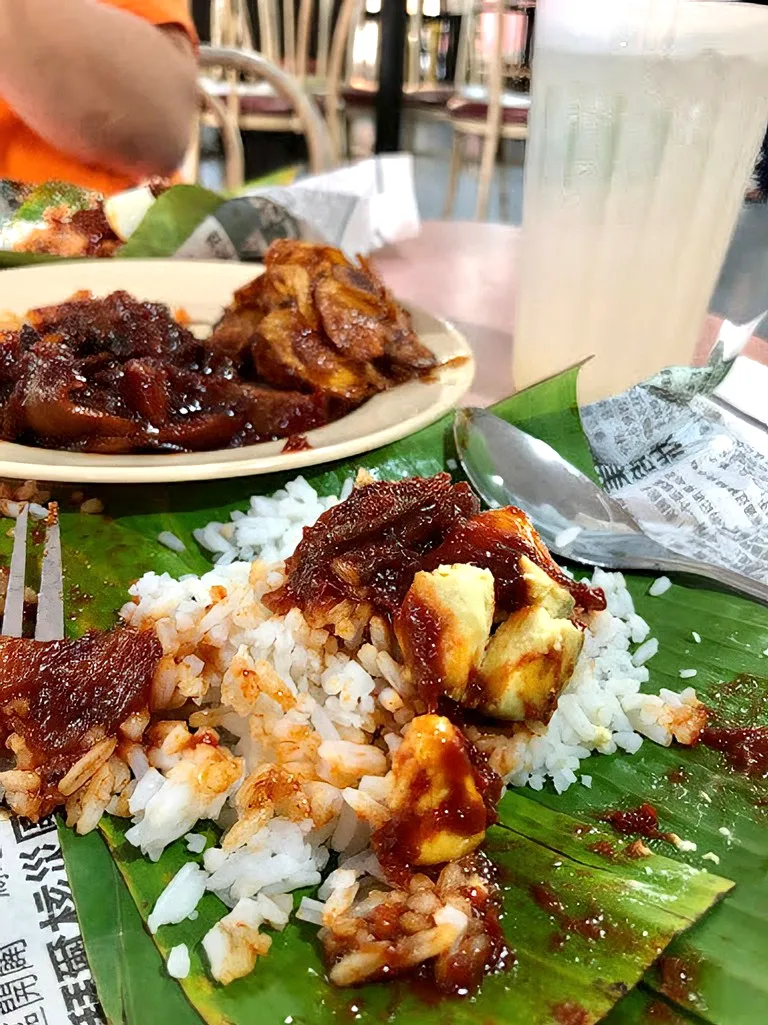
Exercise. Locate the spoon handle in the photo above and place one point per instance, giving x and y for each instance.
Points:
(728, 578)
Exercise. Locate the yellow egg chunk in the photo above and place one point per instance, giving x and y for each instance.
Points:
(542, 590)
(530, 659)
(438, 812)
(444, 625)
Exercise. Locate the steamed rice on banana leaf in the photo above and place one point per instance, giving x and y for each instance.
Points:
(347, 703)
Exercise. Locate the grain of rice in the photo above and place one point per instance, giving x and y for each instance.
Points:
(311, 911)
(696, 636)
(165, 537)
(645, 652)
(687, 674)
(660, 586)
(180, 897)
(178, 963)
(195, 842)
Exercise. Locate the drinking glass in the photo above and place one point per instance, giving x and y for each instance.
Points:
(646, 120)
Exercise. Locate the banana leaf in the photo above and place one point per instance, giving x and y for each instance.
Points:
(712, 972)
(545, 857)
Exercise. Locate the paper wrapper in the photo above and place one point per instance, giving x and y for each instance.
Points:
(44, 974)
(690, 469)
(358, 209)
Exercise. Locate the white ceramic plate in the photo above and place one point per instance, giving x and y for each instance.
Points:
(203, 289)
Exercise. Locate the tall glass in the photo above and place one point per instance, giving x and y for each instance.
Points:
(646, 120)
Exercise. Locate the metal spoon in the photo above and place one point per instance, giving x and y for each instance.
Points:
(507, 466)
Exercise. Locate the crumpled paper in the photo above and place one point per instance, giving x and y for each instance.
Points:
(688, 465)
(357, 209)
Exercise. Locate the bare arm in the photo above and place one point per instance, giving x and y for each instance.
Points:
(98, 83)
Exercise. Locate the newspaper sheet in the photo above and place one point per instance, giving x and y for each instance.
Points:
(690, 468)
(358, 209)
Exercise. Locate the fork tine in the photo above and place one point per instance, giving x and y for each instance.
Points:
(50, 601)
(14, 597)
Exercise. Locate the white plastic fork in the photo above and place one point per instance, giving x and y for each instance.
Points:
(49, 624)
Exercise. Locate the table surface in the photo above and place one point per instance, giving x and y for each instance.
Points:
(466, 272)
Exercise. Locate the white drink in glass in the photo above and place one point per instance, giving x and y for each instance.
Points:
(646, 120)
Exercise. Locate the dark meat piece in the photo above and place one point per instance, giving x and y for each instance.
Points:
(9, 362)
(114, 375)
(496, 540)
(48, 402)
(235, 332)
(369, 547)
(119, 324)
(282, 414)
(62, 697)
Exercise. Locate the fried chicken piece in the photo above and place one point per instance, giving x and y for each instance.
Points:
(315, 321)
(289, 354)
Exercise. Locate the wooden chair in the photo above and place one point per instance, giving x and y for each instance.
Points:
(211, 109)
(496, 45)
(283, 34)
(302, 114)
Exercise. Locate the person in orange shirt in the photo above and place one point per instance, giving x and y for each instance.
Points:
(101, 93)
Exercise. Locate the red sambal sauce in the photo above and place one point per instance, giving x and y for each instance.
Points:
(54, 694)
(368, 548)
(745, 748)
(640, 821)
(296, 443)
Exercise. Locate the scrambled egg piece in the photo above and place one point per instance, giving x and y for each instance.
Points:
(530, 659)
(459, 600)
(438, 812)
(544, 591)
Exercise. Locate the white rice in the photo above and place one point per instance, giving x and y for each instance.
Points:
(195, 843)
(271, 528)
(660, 586)
(180, 897)
(165, 537)
(216, 633)
(178, 961)
(687, 674)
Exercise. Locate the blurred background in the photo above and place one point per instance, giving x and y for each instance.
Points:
(463, 74)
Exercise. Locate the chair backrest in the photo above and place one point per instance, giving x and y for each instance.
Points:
(338, 61)
(231, 141)
(231, 24)
(284, 32)
(309, 121)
